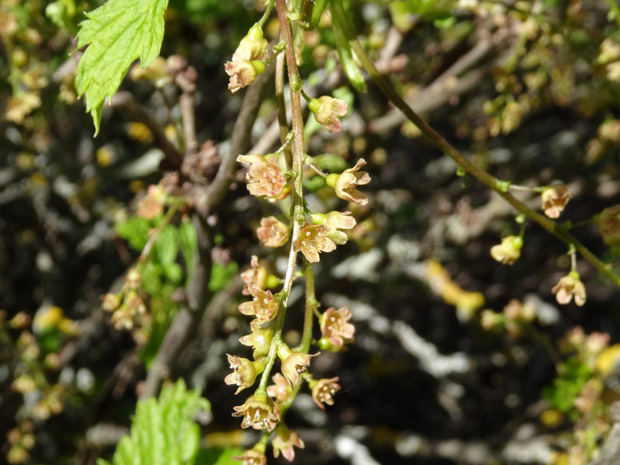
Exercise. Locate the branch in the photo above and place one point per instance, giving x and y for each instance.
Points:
(239, 143)
(492, 182)
(186, 323)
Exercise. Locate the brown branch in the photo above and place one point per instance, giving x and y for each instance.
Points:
(239, 143)
(185, 325)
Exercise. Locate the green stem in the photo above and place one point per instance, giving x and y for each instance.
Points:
(281, 104)
(298, 196)
(311, 304)
(491, 181)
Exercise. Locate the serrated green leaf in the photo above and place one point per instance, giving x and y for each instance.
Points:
(117, 33)
(163, 432)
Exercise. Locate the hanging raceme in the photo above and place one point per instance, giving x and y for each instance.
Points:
(306, 234)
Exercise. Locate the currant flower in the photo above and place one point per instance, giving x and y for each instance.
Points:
(257, 276)
(265, 178)
(252, 457)
(281, 390)
(345, 183)
(327, 111)
(323, 391)
(259, 339)
(259, 412)
(312, 240)
(244, 372)
(337, 220)
(568, 287)
(247, 61)
(294, 365)
(272, 232)
(508, 251)
(242, 73)
(264, 306)
(284, 441)
(554, 199)
(335, 328)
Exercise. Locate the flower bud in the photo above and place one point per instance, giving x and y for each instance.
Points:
(253, 46)
(508, 251)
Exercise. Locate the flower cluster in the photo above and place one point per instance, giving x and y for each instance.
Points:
(307, 234)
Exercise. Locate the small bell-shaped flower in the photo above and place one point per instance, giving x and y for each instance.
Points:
(284, 442)
(272, 232)
(265, 178)
(554, 199)
(295, 364)
(242, 73)
(568, 287)
(252, 457)
(313, 239)
(281, 390)
(345, 184)
(257, 275)
(244, 372)
(336, 329)
(334, 221)
(508, 251)
(259, 412)
(248, 60)
(259, 339)
(323, 391)
(264, 306)
(327, 111)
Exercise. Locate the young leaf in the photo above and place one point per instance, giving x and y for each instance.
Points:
(116, 33)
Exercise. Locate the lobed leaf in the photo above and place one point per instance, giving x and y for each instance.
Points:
(117, 33)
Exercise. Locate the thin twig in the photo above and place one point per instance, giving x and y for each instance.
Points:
(484, 177)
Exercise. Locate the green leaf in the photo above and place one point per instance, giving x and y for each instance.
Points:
(116, 33)
(222, 275)
(163, 432)
(135, 230)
